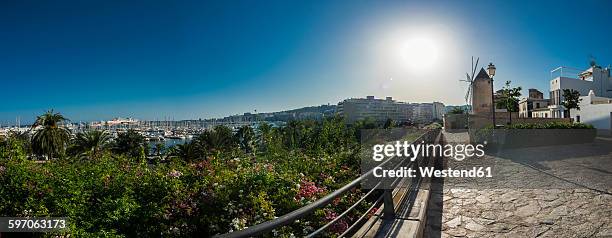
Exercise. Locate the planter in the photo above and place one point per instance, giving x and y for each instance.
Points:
(519, 138)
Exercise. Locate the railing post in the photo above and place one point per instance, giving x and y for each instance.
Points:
(388, 210)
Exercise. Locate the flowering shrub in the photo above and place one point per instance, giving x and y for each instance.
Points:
(231, 189)
(308, 190)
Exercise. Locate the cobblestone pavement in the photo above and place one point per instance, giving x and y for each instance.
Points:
(564, 197)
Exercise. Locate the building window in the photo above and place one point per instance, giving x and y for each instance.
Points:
(577, 118)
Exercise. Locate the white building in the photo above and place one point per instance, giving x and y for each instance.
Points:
(379, 110)
(596, 111)
(422, 112)
(594, 78)
(535, 100)
(541, 113)
(427, 112)
(438, 110)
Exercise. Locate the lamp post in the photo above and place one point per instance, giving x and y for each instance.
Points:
(491, 71)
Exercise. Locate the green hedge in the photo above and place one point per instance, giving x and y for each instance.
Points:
(550, 125)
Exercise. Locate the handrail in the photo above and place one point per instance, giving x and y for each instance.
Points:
(303, 211)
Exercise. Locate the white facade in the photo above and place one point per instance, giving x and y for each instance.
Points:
(355, 109)
(527, 105)
(541, 113)
(422, 112)
(595, 78)
(594, 110)
(438, 110)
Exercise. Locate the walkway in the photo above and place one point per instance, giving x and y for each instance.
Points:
(561, 191)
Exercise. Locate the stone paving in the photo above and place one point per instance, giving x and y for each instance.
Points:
(521, 213)
(571, 200)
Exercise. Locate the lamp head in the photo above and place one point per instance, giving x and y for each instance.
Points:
(491, 70)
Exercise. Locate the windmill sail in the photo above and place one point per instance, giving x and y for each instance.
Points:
(470, 80)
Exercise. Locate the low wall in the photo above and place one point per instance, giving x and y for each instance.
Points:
(455, 121)
(476, 121)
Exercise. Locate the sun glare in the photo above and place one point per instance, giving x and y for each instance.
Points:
(420, 54)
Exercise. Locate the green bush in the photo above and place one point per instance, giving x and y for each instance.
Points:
(217, 191)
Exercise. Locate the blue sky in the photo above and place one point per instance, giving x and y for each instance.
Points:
(95, 60)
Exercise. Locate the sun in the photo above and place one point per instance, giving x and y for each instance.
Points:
(420, 54)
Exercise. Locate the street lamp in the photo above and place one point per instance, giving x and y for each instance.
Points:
(491, 71)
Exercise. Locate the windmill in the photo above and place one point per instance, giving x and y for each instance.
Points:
(470, 80)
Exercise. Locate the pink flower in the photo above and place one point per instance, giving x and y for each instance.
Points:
(339, 226)
(175, 174)
(308, 190)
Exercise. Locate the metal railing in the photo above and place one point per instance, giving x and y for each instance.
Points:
(386, 197)
(567, 72)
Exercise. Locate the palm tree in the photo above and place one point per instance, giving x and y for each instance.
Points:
(265, 135)
(188, 151)
(245, 137)
(219, 139)
(159, 149)
(51, 137)
(91, 142)
(130, 143)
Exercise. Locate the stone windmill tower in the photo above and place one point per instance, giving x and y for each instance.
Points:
(481, 93)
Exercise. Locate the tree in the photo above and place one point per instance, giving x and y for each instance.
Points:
(389, 123)
(130, 143)
(91, 142)
(188, 151)
(457, 110)
(220, 138)
(292, 134)
(50, 137)
(265, 135)
(571, 100)
(159, 148)
(15, 146)
(245, 137)
(509, 98)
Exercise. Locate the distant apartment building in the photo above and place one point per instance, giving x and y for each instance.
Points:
(355, 109)
(422, 112)
(595, 78)
(427, 112)
(596, 111)
(379, 110)
(438, 110)
(535, 100)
